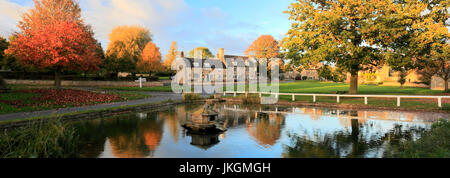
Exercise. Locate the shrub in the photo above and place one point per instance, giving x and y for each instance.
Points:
(153, 78)
(432, 144)
(51, 140)
(191, 97)
(282, 77)
(250, 99)
(298, 77)
(2, 82)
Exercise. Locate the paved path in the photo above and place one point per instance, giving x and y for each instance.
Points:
(156, 97)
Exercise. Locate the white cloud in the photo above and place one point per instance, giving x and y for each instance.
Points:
(156, 15)
(168, 20)
(10, 13)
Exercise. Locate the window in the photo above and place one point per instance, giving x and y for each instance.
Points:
(196, 64)
(391, 73)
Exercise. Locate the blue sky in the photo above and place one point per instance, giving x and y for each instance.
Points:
(229, 24)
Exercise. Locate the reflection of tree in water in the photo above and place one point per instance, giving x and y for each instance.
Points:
(129, 137)
(350, 144)
(93, 142)
(172, 121)
(152, 131)
(266, 129)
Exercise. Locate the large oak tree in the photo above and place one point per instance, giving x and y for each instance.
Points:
(347, 33)
(431, 39)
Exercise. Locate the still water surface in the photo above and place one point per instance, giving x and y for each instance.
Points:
(252, 132)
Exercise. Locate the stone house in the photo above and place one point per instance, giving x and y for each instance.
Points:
(386, 76)
(305, 74)
(207, 66)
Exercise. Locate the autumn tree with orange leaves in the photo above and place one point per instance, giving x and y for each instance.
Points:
(171, 55)
(150, 59)
(54, 37)
(264, 47)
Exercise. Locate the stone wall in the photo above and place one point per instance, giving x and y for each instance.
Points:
(66, 83)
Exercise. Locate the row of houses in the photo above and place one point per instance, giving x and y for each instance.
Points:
(385, 75)
(308, 74)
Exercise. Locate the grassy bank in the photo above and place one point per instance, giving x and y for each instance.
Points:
(52, 140)
(431, 144)
(318, 87)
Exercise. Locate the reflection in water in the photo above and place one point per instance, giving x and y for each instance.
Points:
(204, 140)
(252, 131)
(127, 136)
(266, 129)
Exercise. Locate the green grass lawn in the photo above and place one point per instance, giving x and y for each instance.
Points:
(316, 87)
(330, 87)
(164, 78)
(18, 101)
(25, 97)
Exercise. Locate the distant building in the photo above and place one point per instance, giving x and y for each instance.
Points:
(305, 74)
(437, 83)
(208, 67)
(386, 76)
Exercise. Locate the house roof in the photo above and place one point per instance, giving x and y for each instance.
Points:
(214, 63)
(235, 57)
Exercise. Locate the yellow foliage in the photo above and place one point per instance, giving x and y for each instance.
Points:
(127, 41)
(150, 60)
(171, 55)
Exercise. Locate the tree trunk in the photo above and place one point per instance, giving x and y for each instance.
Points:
(354, 83)
(57, 79)
(446, 85)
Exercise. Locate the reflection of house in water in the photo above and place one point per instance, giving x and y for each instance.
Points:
(314, 112)
(317, 113)
(364, 116)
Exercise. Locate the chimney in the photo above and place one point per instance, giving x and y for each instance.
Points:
(198, 53)
(180, 54)
(221, 54)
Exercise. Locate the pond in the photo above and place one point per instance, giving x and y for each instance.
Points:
(252, 132)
